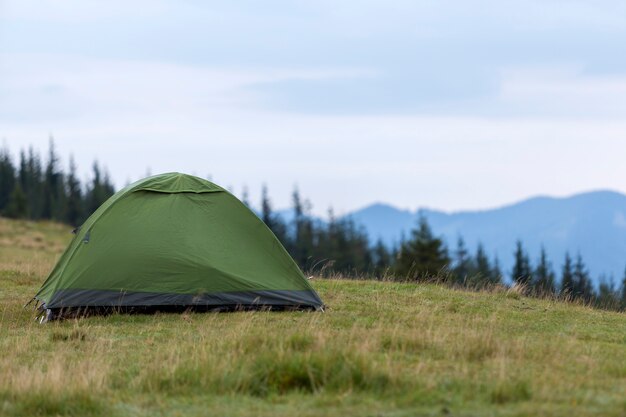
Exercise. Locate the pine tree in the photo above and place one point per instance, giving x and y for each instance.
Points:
(332, 246)
(23, 182)
(496, 272)
(522, 273)
(46, 192)
(99, 190)
(382, 258)
(462, 263)
(94, 192)
(75, 203)
(17, 208)
(544, 276)
(108, 187)
(339, 246)
(53, 187)
(567, 277)
(7, 178)
(266, 208)
(623, 294)
(356, 255)
(22, 175)
(272, 220)
(608, 297)
(245, 198)
(582, 282)
(423, 256)
(483, 271)
(304, 233)
(33, 185)
(394, 253)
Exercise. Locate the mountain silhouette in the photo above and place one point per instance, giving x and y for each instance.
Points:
(592, 224)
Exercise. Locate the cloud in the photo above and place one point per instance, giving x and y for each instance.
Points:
(563, 92)
(35, 86)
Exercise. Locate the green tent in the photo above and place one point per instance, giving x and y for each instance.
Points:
(174, 241)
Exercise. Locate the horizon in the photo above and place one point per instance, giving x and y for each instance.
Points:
(316, 211)
(503, 206)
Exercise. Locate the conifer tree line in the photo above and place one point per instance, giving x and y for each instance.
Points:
(339, 247)
(39, 188)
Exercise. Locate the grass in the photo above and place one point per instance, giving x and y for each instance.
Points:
(380, 349)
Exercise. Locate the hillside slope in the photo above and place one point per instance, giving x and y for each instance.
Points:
(381, 349)
(593, 224)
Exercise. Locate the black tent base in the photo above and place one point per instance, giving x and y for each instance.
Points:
(51, 314)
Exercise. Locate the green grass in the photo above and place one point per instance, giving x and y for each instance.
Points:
(380, 349)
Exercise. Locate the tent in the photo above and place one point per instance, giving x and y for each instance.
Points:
(174, 241)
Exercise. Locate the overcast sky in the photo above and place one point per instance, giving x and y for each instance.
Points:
(447, 104)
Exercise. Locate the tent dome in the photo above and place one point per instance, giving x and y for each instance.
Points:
(171, 241)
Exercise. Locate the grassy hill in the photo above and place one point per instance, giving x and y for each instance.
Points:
(381, 349)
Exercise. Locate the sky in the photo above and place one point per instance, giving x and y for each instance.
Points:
(452, 105)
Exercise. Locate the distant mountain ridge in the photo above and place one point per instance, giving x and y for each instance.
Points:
(592, 223)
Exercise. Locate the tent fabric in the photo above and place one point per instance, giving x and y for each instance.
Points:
(175, 240)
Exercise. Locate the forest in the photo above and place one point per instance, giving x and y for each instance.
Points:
(37, 188)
